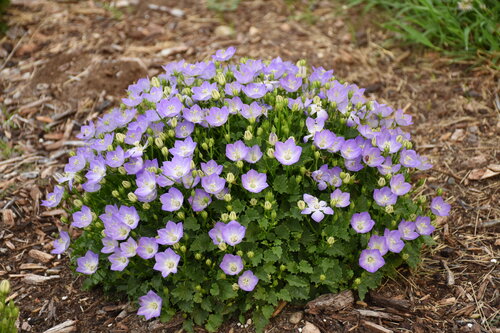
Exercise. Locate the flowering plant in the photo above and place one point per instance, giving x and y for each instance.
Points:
(220, 188)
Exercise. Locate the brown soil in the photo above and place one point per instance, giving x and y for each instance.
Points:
(64, 62)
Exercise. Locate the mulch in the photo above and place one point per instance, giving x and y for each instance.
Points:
(65, 62)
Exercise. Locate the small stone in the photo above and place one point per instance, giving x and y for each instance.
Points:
(223, 31)
(296, 317)
(310, 328)
(253, 31)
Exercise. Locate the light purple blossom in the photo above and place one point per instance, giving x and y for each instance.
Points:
(194, 114)
(154, 95)
(213, 184)
(204, 92)
(354, 165)
(252, 111)
(129, 247)
(236, 151)
(255, 90)
(217, 116)
(115, 158)
(200, 200)
(166, 262)
(372, 156)
(339, 198)
(399, 186)
(116, 230)
(184, 129)
(316, 208)
(231, 264)
(128, 216)
(393, 240)
(254, 154)
(407, 230)
(134, 165)
(350, 149)
(75, 163)
(183, 148)
(150, 305)
(171, 234)
(118, 261)
(371, 260)
(211, 167)
(97, 170)
(439, 207)
(102, 144)
(402, 119)
(233, 88)
(177, 168)
(324, 139)
(424, 226)
(324, 177)
(216, 233)
(409, 159)
(287, 153)
(147, 247)
(86, 131)
(244, 75)
(54, 198)
(313, 126)
(109, 245)
(337, 144)
(362, 222)
(233, 233)
(387, 167)
(82, 218)
(254, 181)
(234, 104)
(384, 196)
(247, 281)
(387, 142)
(291, 83)
(172, 200)
(88, 263)
(61, 244)
(377, 242)
(146, 183)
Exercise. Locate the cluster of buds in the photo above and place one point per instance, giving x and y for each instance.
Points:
(8, 311)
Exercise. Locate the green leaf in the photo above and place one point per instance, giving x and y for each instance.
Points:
(280, 184)
(238, 206)
(267, 311)
(214, 322)
(191, 224)
(296, 281)
(305, 267)
(201, 243)
(183, 292)
(214, 290)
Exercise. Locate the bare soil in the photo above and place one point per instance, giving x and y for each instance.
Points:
(65, 62)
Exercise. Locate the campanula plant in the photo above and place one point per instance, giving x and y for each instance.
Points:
(221, 188)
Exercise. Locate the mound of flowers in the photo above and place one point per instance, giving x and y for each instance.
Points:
(221, 188)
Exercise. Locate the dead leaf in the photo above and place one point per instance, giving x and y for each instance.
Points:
(494, 167)
(476, 174)
(488, 174)
(458, 135)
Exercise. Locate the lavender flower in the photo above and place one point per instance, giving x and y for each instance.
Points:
(372, 156)
(88, 263)
(54, 198)
(86, 132)
(393, 240)
(387, 142)
(204, 92)
(224, 55)
(150, 305)
(213, 184)
(146, 182)
(147, 247)
(439, 207)
(236, 151)
(166, 262)
(216, 233)
(200, 200)
(424, 226)
(82, 218)
(339, 198)
(233, 233)
(217, 116)
(168, 108)
(231, 264)
(371, 260)
(61, 244)
(252, 111)
(183, 148)
(184, 129)
(232, 89)
(128, 216)
(354, 165)
(177, 168)
(387, 167)
(75, 163)
(324, 139)
(194, 114)
(255, 90)
(409, 159)
(254, 181)
(115, 158)
(172, 200)
(362, 222)
(350, 149)
(287, 152)
(211, 167)
(97, 170)
(254, 154)
(129, 247)
(247, 281)
(291, 83)
(377, 242)
(118, 261)
(116, 230)
(134, 165)
(171, 234)
(110, 245)
(384, 196)
(317, 208)
(407, 230)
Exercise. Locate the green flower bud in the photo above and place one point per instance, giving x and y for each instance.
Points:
(181, 215)
(215, 94)
(270, 153)
(232, 216)
(229, 208)
(120, 137)
(439, 191)
(220, 78)
(198, 288)
(146, 206)
(317, 154)
(173, 122)
(126, 184)
(268, 205)
(389, 209)
(347, 178)
(227, 197)
(254, 202)
(273, 214)
(260, 131)
(247, 136)
(122, 171)
(381, 182)
(4, 287)
(400, 139)
(301, 62)
(109, 148)
(224, 217)
(301, 204)
(197, 256)
(208, 262)
(164, 152)
(211, 142)
(72, 153)
(176, 246)
(171, 132)
(407, 144)
(303, 170)
(235, 286)
(250, 254)
(298, 179)
(115, 194)
(222, 276)
(357, 281)
(204, 214)
(282, 267)
(322, 277)
(186, 91)
(227, 137)
(132, 197)
(159, 143)
(239, 164)
(240, 253)
(204, 145)
(167, 90)
(330, 240)
(406, 256)
(422, 199)
(155, 82)
(77, 203)
(413, 217)
(183, 249)
(230, 178)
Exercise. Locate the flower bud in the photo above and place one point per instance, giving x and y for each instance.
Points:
(227, 137)
(260, 131)
(204, 214)
(389, 209)
(126, 184)
(298, 179)
(115, 194)
(220, 78)
(155, 82)
(347, 178)
(171, 133)
(422, 199)
(330, 240)
(322, 277)
(132, 197)
(224, 217)
(317, 154)
(72, 153)
(250, 254)
(270, 153)
(301, 204)
(197, 256)
(120, 137)
(235, 286)
(227, 197)
(122, 170)
(229, 208)
(164, 152)
(273, 138)
(381, 182)
(198, 288)
(215, 94)
(208, 262)
(211, 142)
(268, 205)
(4, 287)
(232, 216)
(357, 281)
(183, 249)
(273, 214)
(176, 246)
(239, 164)
(222, 246)
(247, 136)
(77, 203)
(413, 217)
(253, 201)
(399, 138)
(204, 146)
(240, 253)
(407, 144)
(230, 178)
(159, 143)
(186, 91)
(406, 256)
(282, 267)
(146, 206)
(181, 215)
(439, 191)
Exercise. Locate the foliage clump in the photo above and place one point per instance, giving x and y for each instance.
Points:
(218, 189)
(8, 311)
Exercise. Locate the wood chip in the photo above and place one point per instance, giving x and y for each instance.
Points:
(8, 218)
(400, 304)
(40, 256)
(375, 327)
(330, 302)
(32, 266)
(450, 280)
(67, 326)
(379, 314)
(34, 279)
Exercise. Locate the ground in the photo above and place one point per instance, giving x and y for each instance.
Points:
(64, 62)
